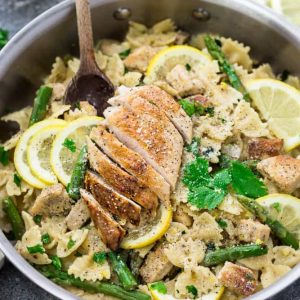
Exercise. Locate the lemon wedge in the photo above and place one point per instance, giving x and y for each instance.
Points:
(288, 8)
(149, 233)
(213, 295)
(20, 154)
(62, 157)
(285, 209)
(165, 60)
(279, 104)
(38, 153)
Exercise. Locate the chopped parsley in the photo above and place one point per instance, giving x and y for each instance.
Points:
(36, 249)
(37, 219)
(4, 156)
(277, 206)
(193, 147)
(46, 239)
(210, 111)
(192, 107)
(160, 287)
(3, 37)
(192, 290)
(188, 67)
(70, 244)
(124, 53)
(69, 144)
(17, 180)
(56, 262)
(207, 191)
(99, 257)
(222, 223)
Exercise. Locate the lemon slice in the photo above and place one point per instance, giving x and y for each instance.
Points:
(38, 153)
(165, 60)
(214, 295)
(289, 8)
(279, 105)
(149, 233)
(20, 155)
(62, 159)
(284, 208)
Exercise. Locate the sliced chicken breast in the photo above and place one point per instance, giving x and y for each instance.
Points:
(164, 102)
(110, 231)
(117, 204)
(147, 131)
(120, 180)
(131, 161)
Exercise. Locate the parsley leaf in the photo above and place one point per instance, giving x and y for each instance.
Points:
(192, 290)
(160, 287)
(276, 206)
(245, 183)
(70, 244)
(191, 107)
(3, 37)
(124, 53)
(17, 180)
(193, 147)
(37, 219)
(70, 144)
(188, 67)
(4, 157)
(56, 262)
(36, 249)
(46, 239)
(222, 223)
(99, 257)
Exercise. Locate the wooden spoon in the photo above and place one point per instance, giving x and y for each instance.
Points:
(90, 83)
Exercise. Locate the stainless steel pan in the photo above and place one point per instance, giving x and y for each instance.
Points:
(28, 57)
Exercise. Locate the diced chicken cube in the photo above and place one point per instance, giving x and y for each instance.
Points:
(261, 148)
(140, 58)
(78, 215)
(52, 201)
(238, 279)
(156, 266)
(252, 231)
(283, 170)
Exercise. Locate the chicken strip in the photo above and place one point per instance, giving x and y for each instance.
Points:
(120, 180)
(52, 201)
(283, 170)
(252, 231)
(238, 279)
(78, 215)
(117, 204)
(261, 148)
(164, 102)
(156, 266)
(150, 133)
(131, 161)
(110, 231)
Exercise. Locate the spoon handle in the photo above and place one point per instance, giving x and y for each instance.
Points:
(85, 32)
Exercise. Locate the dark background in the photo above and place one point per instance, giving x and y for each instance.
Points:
(14, 14)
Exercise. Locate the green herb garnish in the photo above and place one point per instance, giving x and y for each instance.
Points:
(222, 223)
(188, 67)
(3, 37)
(124, 53)
(160, 287)
(193, 147)
(70, 244)
(191, 107)
(17, 180)
(70, 144)
(4, 156)
(192, 290)
(46, 239)
(36, 249)
(37, 219)
(56, 262)
(99, 257)
(277, 206)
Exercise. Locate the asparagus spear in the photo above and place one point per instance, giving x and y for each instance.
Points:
(233, 253)
(41, 102)
(124, 274)
(286, 237)
(14, 217)
(110, 289)
(77, 178)
(216, 52)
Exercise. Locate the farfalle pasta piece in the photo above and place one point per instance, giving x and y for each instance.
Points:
(93, 243)
(115, 69)
(272, 273)
(86, 268)
(175, 232)
(131, 79)
(231, 205)
(110, 47)
(32, 237)
(58, 72)
(28, 220)
(200, 277)
(70, 242)
(20, 116)
(285, 255)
